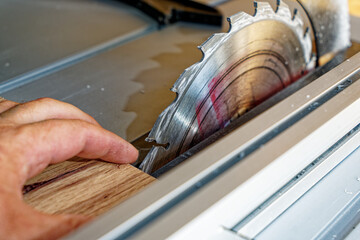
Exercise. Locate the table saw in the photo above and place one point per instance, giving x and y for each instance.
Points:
(286, 167)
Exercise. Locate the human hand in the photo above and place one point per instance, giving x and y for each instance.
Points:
(34, 135)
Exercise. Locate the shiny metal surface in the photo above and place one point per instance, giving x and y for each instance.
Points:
(355, 233)
(302, 185)
(328, 210)
(37, 33)
(260, 55)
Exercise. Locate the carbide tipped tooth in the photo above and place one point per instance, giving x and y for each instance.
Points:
(255, 6)
(278, 2)
(184, 79)
(306, 31)
(239, 21)
(156, 132)
(283, 10)
(264, 8)
(295, 14)
(149, 163)
(149, 139)
(209, 44)
(297, 20)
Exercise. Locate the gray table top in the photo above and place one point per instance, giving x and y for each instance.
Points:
(38, 32)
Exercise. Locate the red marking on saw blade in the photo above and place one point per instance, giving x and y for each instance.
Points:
(213, 96)
(198, 118)
(212, 88)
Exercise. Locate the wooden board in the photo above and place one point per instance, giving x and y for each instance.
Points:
(79, 186)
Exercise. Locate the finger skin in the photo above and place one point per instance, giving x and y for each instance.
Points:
(6, 104)
(28, 143)
(43, 109)
(34, 146)
(19, 221)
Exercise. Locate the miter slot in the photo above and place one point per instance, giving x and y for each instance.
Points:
(52, 50)
(298, 186)
(328, 192)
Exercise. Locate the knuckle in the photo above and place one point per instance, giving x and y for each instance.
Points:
(74, 123)
(45, 100)
(80, 123)
(2, 99)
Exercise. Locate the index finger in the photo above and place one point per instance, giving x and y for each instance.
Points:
(40, 144)
(6, 104)
(44, 109)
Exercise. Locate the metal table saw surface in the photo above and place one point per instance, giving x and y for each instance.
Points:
(104, 57)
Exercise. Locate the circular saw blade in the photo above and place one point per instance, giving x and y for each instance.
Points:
(259, 56)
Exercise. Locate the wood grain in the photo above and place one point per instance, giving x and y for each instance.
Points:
(78, 186)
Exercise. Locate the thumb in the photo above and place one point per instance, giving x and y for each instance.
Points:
(60, 225)
(20, 221)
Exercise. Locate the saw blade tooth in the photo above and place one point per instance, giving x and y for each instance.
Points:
(297, 20)
(263, 9)
(295, 13)
(238, 21)
(148, 163)
(304, 37)
(278, 2)
(185, 78)
(283, 10)
(210, 44)
(156, 132)
(299, 26)
(283, 14)
(306, 31)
